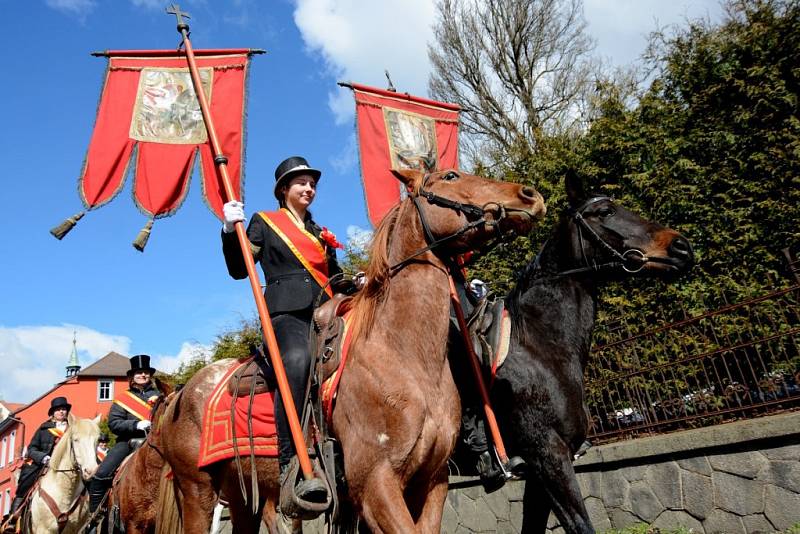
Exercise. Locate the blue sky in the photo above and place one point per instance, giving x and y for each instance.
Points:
(175, 298)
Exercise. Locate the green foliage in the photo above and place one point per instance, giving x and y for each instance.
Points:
(238, 342)
(104, 428)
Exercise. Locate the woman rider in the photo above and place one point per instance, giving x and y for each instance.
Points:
(297, 257)
(41, 447)
(128, 419)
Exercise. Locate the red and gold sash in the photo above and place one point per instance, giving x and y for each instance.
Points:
(101, 455)
(134, 405)
(56, 432)
(304, 245)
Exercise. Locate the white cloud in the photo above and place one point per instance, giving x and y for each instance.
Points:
(358, 40)
(79, 8)
(149, 4)
(36, 356)
(621, 26)
(190, 350)
(346, 160)
(358, 237)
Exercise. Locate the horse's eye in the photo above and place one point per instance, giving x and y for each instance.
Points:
(606, 211)
(450, 176)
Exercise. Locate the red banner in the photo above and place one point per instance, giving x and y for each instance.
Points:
(397, 131)
(149, 120)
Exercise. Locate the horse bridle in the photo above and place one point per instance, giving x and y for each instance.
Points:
(621, 259)
(469, 210)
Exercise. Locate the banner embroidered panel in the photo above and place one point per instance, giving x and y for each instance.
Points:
(397, 131)
(149, 111)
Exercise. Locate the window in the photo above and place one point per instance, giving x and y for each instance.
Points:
(12, 445)
(3, 451)
(105, 389)
(7, 503)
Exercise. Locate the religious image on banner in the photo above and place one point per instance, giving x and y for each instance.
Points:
(412, 139)
(400, 131)
(149, 125)
(167, 109)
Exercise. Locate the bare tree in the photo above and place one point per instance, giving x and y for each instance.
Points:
(520, 68)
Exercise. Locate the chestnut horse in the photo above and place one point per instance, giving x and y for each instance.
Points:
(59, 503)
(397, 409)
(134, 498)
(538, 392)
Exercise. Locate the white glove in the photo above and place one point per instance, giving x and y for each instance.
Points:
(143, 425)
(233, 212)
(46, 460)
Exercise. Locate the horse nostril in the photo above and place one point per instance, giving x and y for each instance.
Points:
(528, 193)
(681, 248)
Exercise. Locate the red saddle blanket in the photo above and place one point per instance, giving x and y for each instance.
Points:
(217, 435)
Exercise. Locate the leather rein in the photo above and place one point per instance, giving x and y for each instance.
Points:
(621, 260)
(63, 517)
(477, 213)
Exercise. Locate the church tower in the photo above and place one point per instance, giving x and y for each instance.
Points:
(73, 367)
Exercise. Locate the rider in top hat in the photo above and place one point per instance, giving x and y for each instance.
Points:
(41, 447)
(129, 420)
(298, 258)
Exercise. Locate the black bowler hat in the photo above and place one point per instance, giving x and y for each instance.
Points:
(140, 362)
(58, 402)
(288, 169)
(103, 438)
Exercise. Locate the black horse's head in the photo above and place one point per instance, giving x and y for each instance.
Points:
(604, 236)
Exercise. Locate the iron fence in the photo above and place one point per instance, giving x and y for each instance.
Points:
(741, 360)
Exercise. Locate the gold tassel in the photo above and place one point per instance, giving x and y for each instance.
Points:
(63, 229)
(141, 240)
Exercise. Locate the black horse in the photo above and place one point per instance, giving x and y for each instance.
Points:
(539, 392)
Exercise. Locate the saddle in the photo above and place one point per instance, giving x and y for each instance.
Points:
(243, 379)
(328, 330)
(489, 328)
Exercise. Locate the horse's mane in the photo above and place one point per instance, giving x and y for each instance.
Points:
(61, 447)
(377, 273)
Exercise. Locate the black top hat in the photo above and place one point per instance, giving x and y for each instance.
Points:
(58, 402)
(288, 169)
(140, 362)
(103, 438)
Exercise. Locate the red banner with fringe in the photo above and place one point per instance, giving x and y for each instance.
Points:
(400, 131)
(149, 123)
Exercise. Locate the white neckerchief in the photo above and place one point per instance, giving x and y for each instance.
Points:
(61, 425)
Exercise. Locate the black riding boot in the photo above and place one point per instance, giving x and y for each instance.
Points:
(15, 504)
(97, 490)
(493, 476)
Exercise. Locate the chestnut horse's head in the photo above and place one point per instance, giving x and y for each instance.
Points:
(469, 210)
(605, 236)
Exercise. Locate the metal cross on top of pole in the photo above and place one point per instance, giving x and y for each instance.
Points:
(263, 313)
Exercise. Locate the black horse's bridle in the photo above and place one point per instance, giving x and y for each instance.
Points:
(621, 260)
(470, 211)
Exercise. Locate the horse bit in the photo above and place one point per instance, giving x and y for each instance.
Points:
(623, 259)
(473, 210)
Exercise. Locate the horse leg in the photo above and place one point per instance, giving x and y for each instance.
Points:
(197, 506)
(242, 518)
(536, 507)
(430, 517)
(561, 484)
(383, 506)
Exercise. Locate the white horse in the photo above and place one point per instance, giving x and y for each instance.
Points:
(60, 503)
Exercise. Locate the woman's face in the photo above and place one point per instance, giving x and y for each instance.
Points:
(141, 378)
(300, 191)
(60, 414)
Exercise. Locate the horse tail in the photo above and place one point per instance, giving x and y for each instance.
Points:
(168, 513)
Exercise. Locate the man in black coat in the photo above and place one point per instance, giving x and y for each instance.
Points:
(40, 448)
(128, 419)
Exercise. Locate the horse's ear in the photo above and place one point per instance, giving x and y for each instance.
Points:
(575, 187)
(410, 177)
(96, 419)
(70, 419)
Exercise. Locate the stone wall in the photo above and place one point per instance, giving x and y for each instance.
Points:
(741, 477)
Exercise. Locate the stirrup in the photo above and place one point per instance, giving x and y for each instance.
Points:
(303, 499)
